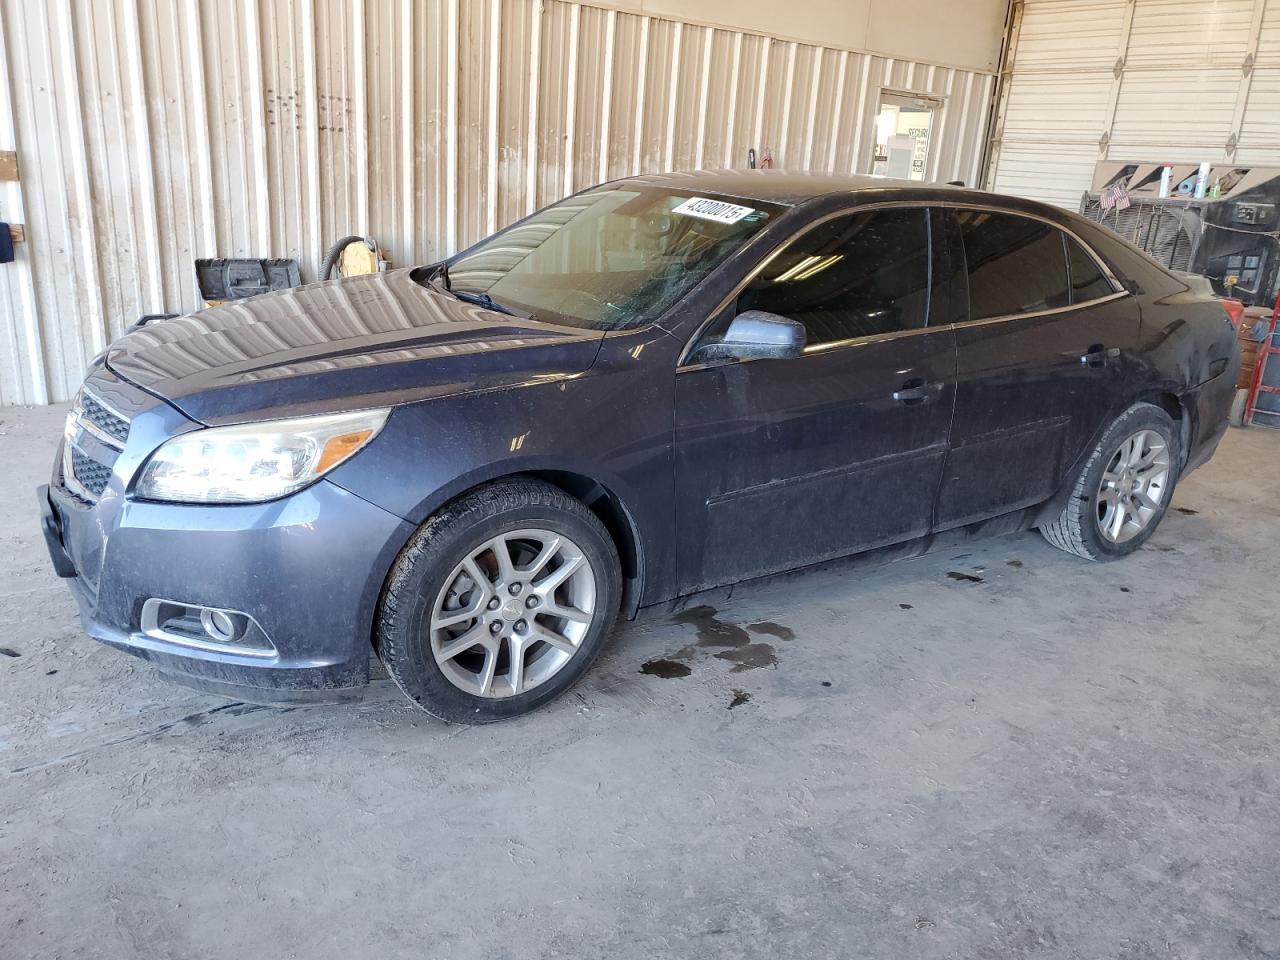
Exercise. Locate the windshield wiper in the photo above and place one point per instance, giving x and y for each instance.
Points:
(442, 272)
(486, 301)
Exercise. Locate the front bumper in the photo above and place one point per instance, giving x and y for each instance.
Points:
(308, 569)
(51, 525)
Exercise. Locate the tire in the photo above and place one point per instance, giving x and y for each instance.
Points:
(451, 570)
(1087, 524)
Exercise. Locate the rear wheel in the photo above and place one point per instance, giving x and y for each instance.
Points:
(1124, 488)
(499, 603)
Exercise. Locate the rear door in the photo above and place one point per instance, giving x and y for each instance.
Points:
(780, 463)
(1042, 356)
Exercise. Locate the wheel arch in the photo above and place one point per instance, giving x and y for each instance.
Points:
(600, 496)
(1172, 404)
(617, 519)
(1165, 399)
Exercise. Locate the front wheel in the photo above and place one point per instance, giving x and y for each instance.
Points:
(499, 603)
(1124, 488)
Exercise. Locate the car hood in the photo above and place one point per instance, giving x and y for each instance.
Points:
(344, 344)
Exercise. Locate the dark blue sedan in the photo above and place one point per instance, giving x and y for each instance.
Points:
(654, 387)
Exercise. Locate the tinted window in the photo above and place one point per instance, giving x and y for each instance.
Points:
(854, 276)
(1015, 264)
(1087, 280)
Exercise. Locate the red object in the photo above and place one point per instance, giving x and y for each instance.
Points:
(1235, 310)
(1267, 349)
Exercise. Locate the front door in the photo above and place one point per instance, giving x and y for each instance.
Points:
(1041, 363)
(780, 463)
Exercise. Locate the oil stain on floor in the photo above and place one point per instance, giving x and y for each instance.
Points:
(732, 641)
(770, 629)
(712, 631)
(666, 669)
(751, 657)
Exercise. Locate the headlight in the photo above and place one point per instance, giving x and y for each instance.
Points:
(252, 462)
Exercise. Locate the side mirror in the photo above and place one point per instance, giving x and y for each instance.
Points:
(755, 335)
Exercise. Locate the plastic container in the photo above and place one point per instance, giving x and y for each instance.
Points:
(1202, 180)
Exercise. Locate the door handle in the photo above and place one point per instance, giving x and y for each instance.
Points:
(1099, 355)
(913, 391)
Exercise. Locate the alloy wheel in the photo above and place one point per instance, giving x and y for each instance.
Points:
(1134, 486)
(513, 613)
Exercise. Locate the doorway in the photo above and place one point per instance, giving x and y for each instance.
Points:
(903, 127)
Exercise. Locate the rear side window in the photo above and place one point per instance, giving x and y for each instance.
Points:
(855, 276)
(1087, 279)
(1015, 264)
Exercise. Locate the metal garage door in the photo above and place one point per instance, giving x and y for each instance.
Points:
(153, 133)
(1149, 80)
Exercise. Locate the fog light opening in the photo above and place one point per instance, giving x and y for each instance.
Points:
(220, 625)
(205, 628)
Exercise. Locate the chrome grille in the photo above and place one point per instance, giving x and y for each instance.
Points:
(93, 438)
(89, 473)
(104, 418)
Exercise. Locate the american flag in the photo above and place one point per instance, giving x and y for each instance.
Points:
(1115, 196)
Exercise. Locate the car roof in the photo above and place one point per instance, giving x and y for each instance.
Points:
(787, 187)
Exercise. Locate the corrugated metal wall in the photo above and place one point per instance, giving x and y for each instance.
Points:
(1177, 81)
(153, 132)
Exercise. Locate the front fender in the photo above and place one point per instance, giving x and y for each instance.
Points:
(613, 430)
(435, 499)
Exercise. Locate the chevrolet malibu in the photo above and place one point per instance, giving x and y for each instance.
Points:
(654, 387)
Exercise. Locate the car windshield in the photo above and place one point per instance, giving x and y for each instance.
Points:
(608, 259)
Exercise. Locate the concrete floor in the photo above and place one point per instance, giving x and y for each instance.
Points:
(1042, 757)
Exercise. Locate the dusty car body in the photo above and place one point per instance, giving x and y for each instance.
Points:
(706, 461)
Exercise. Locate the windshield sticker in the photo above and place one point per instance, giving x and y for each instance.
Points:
(705, 209)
